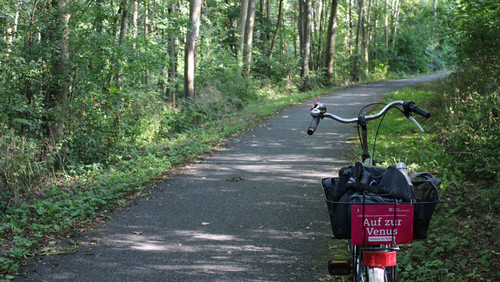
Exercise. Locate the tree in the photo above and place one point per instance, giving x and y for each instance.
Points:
(357, 53)
(306, 41)
(249, 36)
(396, 7)
(278, 23)
(190, 48)
(117, 89)
(242, 29)
(173, 47)
(386, 27)
(330, 41)
(59, 85)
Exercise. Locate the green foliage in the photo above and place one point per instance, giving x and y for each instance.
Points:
(478, 54)
(120, 133)
(425, 38)
(459, 245)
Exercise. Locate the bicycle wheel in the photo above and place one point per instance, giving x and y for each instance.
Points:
(356, 255)
(381, 274)
(362, 273)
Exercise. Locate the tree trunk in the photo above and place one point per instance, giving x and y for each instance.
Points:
(300, 25)
(278, 23)
(306, 48)
(264, 12)
(435, 10)
(59, 88)
(249, 36)
(123, 32)
(386, 32)
(242, 30)
(147, 78)
(135, 29)
(395, 22)
(190, 48)
(357, 51)
(350, 27)
(330, 41)
(366, 39)
(173, 50)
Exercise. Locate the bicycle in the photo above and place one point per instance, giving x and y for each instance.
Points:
(377, 214)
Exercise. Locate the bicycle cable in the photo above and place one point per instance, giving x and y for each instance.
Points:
(359, 134)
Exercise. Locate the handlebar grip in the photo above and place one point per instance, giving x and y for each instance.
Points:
(420, 111)
(313, 125)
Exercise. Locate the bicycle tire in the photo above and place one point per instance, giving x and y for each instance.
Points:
(362, 273)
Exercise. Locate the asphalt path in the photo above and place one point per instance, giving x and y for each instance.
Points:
(251, 212)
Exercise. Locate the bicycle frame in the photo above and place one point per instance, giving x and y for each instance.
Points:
(378, 261)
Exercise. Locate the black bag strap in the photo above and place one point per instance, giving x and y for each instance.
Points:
(428, 177)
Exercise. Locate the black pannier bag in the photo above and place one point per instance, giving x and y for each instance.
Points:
(378, 185)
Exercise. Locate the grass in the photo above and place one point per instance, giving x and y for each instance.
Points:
(462, 244)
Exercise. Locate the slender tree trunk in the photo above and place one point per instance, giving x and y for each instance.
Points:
(366, 38)
(300, 25)
(242, 30)
(135, 30)
(435, 10)
(123, 32)
(374, 34)
(357, 53)
(60, 83)
(147, 79)
(190, 48)
(318, 28)
(278, 23)
(16, 21)
(121, 39)
(330, 41)
(386, 32)
(396, 22)
(249, 36)
(306, 41)
(350, 27)
(173, 50)
(264, 13)
(123, 22)
(11, 32)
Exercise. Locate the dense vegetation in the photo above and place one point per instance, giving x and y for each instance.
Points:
(461, 244)
(94, 106)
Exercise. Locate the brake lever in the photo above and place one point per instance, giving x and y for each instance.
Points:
(416, 122)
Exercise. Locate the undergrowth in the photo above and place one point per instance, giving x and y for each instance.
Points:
(462, 244)
(78, 195)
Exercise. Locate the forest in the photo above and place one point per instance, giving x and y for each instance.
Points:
(100, 98)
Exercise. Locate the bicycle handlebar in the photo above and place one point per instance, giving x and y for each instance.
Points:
(318, 111)
(313, 125)
(410, 105)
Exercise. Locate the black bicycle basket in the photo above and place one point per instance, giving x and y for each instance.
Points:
(427, 197)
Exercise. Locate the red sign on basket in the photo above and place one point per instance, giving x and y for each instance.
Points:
(379, 223)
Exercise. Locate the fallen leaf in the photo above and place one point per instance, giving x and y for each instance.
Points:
(235, 179)
(205, 223)
(137, 232)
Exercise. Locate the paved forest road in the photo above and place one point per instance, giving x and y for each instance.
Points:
(252, 212)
